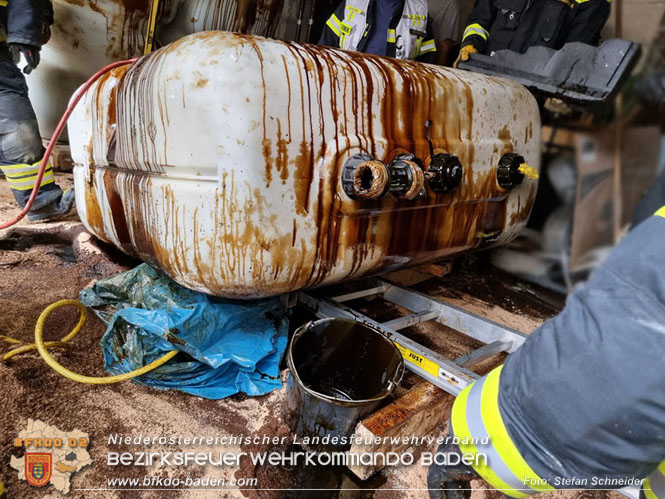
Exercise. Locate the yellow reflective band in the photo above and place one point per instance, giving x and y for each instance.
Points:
(353, 11)
(654, 485)
(333, 23)
(24, 172)
(661, 213)
(648, 493)
(499, 435)
(27, 183)
(30, 187)
(419, 42)
(392, 36)
(461, 431)
(19, 165)
(475, 29)
(3, 3)
(416, 19)
(428, 46)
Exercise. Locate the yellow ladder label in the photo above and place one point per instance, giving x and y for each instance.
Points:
(426, 365)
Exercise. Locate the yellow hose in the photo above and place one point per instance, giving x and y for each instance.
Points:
(42, 346)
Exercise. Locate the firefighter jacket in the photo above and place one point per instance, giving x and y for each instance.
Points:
(409, 36)
(581, 404)
(23, 21)
(519, 24)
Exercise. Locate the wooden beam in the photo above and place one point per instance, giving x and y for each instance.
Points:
(417, 413)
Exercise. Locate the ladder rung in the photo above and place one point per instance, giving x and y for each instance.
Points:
(360, 294)
(483, 353)
(411, 320)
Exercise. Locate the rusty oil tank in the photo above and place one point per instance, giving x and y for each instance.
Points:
(87, 35)
(246, 167)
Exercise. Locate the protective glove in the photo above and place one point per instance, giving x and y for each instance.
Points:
(464, 54)
(30, 53)
(557, 106)
(450, 481)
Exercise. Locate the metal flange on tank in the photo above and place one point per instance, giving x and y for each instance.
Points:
(444, 173)
(364, 177)
(407, 177)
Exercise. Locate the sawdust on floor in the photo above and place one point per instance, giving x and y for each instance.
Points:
(40, 264)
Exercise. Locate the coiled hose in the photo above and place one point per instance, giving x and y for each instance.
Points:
(42, 347)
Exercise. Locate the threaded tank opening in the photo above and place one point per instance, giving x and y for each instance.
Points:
(370, 179)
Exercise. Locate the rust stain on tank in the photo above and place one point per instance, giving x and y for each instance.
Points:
(94, 212)
(345, 238)
(202, 83)
(117, 210)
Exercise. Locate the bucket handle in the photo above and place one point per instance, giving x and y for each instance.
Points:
(397, 377)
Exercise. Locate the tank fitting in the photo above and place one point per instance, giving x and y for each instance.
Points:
(363, 177)
(508, 173)
(444, 173)
(407, 178)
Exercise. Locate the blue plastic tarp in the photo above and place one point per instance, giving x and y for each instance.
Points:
(226, 346)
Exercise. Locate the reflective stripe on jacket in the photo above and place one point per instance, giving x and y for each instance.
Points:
(476, 418)
(23, 177)
(410, 38)
(654, 484)
(519, 24)
(582, 402)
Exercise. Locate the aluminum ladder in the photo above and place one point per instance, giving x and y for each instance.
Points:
(451, 376)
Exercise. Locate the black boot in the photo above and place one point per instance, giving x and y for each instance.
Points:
(54, 210)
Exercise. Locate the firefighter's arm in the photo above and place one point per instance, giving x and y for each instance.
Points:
(589, 20)
(426, 47)
(654, 485)
(332, 31)
(443, 22)
(476, 32)
(26, 20)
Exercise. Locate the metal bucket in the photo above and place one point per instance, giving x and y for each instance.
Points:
(339, 372)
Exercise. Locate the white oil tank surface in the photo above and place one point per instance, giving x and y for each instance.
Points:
(246, 167)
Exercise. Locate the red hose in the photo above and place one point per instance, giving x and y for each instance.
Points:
(56, 135)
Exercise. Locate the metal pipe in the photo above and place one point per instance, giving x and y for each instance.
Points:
(301, 9)
(310, 22)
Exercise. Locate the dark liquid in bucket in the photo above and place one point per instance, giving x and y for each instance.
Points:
(343, 370)
(345, 360)
(331, 388)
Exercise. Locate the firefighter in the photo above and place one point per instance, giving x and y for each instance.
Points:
(519, 24)
(24, 28)
(581, 404)
(406, 29)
